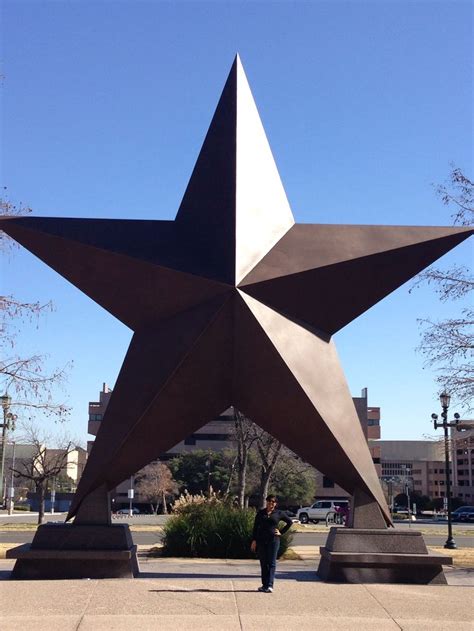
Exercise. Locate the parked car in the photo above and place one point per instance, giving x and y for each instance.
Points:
(319, 510)
(463, 513)
(126, 511)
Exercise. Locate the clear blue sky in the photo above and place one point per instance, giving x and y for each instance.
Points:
(365, 104)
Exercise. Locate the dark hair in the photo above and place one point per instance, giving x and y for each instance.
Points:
(271, 497)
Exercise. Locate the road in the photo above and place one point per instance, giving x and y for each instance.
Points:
(300, 539)
(32, 518)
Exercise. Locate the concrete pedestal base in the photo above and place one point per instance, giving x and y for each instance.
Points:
(380, 556)
(66, 551)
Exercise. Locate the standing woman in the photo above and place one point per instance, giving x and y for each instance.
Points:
(266, 540)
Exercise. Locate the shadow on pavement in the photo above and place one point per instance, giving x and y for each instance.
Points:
(197, 575)
(308, 576)
(211, 591)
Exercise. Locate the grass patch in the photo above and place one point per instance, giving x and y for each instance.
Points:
(7, 546)
(290, 555)
(17, 526)
(461, 558)
(146, 528)
(435, 531)
(155, 552)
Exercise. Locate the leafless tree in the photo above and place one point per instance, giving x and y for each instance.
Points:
(48, 460)
(8, 209)
(293, 478)
(448, 344)
(245, 436)
(155, 483)
(269, 450)
(25, 378)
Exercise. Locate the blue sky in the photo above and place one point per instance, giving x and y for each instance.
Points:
(365, 104)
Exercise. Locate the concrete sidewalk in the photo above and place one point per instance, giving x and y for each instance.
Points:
(221, 595)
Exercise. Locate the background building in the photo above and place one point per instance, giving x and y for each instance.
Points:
(418, 463)
(421, 464)
(369, 418)
(462, 446)
(218, 434)
(23, 457)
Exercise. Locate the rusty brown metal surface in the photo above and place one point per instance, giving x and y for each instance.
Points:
(232, 304)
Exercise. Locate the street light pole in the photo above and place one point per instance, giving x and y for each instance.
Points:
(404, 467)
(11, 504)
(445, 400)
(130, 497)
(8, 423)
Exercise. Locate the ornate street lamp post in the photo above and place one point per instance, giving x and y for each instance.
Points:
(8, 424)
(445, 400)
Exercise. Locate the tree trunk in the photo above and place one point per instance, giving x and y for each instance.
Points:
(268, 467)
(265, 476)
(40, 489)
(244, 441)
(165, 508)
(242, 477)
(231, 477)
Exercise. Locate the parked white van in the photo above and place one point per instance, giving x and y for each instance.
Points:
(319, 510)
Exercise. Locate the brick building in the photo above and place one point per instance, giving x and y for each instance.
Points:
(217, 435)
(462, 449)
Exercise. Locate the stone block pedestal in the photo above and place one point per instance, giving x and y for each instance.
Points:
(353, 555)
(66, 551)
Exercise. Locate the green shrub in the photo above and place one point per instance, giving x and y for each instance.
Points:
(213, 530)
(22, 507)
(400, 516)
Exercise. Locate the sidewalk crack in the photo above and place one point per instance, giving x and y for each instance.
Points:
(236, 605)
(96, 582)
(381, 605)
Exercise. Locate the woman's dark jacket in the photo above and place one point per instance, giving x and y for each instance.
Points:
(264, 526)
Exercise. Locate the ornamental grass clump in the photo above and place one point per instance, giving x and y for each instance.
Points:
(211, 528)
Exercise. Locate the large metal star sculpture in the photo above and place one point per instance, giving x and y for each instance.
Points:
(232, 304)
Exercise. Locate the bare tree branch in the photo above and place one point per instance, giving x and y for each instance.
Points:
(448, 344)
(49, 459)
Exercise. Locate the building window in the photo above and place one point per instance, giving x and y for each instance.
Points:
(222, 437)
(372, 421)
(95, 417)
(190, 440)
(327, 483)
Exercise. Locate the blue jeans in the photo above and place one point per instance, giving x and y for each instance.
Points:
(267, 554)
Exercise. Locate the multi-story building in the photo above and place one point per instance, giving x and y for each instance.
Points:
(462, 450)
(416, 463)
(96, 412)
(218, 435)
(74, 462)
(369, 418)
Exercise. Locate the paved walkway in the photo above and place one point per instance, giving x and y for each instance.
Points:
(185, 594)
